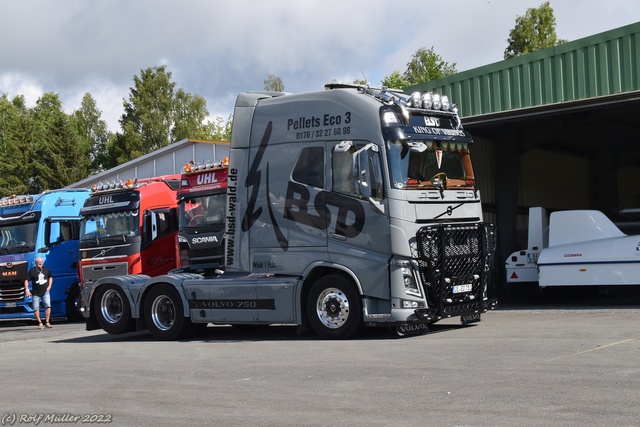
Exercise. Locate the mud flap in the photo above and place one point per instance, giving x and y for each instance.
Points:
(467, 319)
(412, 330)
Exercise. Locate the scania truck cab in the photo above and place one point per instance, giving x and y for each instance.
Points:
(348, 207)
(202, 200)
(41, 225)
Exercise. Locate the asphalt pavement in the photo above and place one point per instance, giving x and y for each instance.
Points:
(560, 361)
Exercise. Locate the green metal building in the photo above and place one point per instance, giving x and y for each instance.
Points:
(558, 128)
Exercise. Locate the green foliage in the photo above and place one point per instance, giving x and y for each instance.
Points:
(395, 81)
(44, 148)
(41, 147)
(189, 114)
(157, 115)
(534, 31)
(148, 114)
(218, 130)
(273, 83)
(426, 65)
(15, 131)
(92, 133)
(57, 157)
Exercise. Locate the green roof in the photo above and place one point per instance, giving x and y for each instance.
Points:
(596, 66)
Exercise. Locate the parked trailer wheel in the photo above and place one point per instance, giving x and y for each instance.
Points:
(164, 314)
(112, 310)
(334, 308)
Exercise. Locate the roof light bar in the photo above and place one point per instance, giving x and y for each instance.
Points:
(192, 166)
(14, 200)
(113, 185)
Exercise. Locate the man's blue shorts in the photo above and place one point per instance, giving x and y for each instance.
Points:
(46, 301)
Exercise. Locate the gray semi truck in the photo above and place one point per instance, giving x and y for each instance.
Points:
(347, 208)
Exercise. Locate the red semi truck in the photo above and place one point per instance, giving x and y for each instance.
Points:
(202, 200)
(129, 228)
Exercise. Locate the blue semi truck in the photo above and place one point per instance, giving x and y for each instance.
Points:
(44, 225)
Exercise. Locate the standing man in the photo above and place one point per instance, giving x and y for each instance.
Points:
(41, 281)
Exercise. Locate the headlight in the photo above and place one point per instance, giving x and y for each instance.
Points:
(410, 285)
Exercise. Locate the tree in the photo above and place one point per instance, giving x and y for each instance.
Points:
(15, 133)
(273, 83)
(158, 114)
(56, 155)
(534, 31)
(148, 114)
(395, 81)
(92, 132)
(189, 114)
(218, 130)
(426, 65)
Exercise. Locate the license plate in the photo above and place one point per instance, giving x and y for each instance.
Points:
(10, 304)
(462, 288)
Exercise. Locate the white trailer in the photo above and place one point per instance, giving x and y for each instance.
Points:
(578, 248)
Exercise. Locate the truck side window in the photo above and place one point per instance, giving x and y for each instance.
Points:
(309, 169)
(166, 221)
(342, 171)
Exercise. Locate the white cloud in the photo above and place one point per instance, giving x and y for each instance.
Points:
(14, 84)
(218, 49)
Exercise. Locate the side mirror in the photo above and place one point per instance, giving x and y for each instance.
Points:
(364, 175)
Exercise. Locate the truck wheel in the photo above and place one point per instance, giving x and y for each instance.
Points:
(334, 308)
(164, 314)
(112, 310)
(74, 303)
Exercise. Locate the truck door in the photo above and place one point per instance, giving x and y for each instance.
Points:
(159, 251)
(359, 234)
(61, 247)
(288, 214)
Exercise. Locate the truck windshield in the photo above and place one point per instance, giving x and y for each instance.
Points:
(429, 164)
(18, 238)
(112, 224)
(204, 211)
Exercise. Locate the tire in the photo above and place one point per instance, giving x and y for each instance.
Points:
(112, 310)
(164, 314)
(74, 303)
(334, 308)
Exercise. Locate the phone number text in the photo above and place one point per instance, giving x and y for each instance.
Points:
(323, 133)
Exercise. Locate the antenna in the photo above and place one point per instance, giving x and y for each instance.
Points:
(364, 75)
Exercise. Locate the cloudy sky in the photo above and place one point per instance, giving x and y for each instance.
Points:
(220, 48)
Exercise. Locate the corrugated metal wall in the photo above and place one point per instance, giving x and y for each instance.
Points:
(603, 64)
(166, 161)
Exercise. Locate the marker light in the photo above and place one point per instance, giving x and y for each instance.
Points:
(15, 200)
(427, 100)
(445, 102)
(437, 103)
(390, 118)
(209, 164)
(414, 100)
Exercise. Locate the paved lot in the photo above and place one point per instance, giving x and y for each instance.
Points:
(543, 364)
